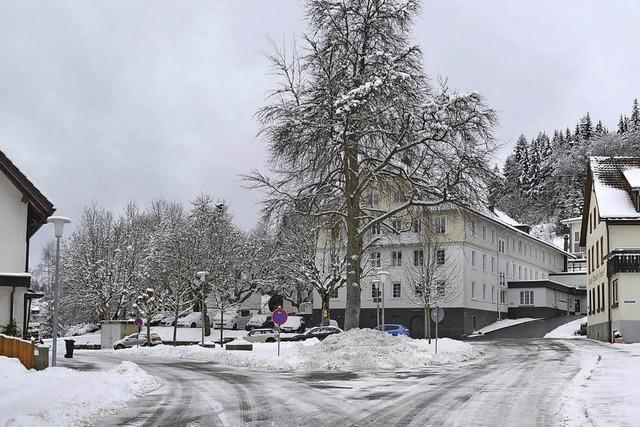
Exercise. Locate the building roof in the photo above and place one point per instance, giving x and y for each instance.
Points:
(571, 220)
(39, 207)
(544, 283)
(505, 220)
(22, 280)
(613, 180)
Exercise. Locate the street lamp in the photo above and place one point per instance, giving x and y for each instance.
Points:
(202, 275)
(382, 275)
(58, 227)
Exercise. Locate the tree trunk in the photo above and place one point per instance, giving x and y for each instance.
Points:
(427, 322)
(175, 322)
(325, 309)
(205, 319)
(221, 325)
(354, 241)
(148, 322)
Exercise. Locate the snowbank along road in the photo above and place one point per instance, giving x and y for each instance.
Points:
(517, 382)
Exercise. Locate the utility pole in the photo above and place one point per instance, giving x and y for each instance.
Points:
(58, 227)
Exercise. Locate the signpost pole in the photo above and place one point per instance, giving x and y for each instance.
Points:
(437, 321)
(278, 340)
(279, 316)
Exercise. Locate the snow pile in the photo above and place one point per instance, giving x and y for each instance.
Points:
(82, 329)
(357, 349)
(366, 349)
(501, 324)
(64, 397)
(568, 330)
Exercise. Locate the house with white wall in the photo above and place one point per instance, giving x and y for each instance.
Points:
(482, 251)
(23, 210)
(611, 235)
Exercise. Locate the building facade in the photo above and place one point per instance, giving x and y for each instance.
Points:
(479, 252)
(23, 210)
(611, 234)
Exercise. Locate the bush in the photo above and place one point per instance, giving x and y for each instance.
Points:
(11, 329)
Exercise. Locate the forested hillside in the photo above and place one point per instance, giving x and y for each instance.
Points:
(543, 178)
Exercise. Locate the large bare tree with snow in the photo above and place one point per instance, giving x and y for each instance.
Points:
(354, 111)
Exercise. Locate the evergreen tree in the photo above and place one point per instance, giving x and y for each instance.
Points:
(586, 127)
(634, 122)
(622, 128)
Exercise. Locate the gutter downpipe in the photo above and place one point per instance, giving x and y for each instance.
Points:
(609, 288)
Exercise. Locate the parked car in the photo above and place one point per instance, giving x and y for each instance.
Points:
(393, 329)
(261, 335)
(293, 324)
(171, 318)
(158, 318)
(320, 332)
(136, 339)
(232, 319)
(259, 321)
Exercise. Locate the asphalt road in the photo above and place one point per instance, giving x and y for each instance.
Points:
(533, 329)
(517, 382)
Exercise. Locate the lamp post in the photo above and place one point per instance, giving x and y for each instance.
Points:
(202, 275)
(58, 227)
(382, 275)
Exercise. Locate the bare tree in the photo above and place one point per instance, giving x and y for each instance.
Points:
(354, 112)
(433, 273)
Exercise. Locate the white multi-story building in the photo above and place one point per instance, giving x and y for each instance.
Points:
(481, 252)
(23, 210)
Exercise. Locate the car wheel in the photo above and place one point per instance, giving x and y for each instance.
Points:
(193, 324)
(119, 347)
(271, 340)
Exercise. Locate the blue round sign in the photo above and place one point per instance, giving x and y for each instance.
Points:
(138, 322)
(279, 316)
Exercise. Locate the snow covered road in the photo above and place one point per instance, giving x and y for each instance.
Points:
(518, 382)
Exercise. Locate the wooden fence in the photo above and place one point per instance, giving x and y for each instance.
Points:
(15, 347)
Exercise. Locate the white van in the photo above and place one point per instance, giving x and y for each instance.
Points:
(233, 318)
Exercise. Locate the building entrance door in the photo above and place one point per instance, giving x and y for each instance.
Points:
(577, 303)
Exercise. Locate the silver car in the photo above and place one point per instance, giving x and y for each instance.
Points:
(136, 339)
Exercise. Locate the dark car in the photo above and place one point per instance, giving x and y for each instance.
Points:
(320, 332)
(583, 329)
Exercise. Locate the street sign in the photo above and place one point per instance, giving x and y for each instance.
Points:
(138, 322)
(437, 314)
(279, 316)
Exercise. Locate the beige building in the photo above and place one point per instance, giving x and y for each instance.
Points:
(611, 234)
(482, 251)
(23, 210)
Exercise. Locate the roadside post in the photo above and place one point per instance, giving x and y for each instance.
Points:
(138, 322)
(279, 316)
(437, 314)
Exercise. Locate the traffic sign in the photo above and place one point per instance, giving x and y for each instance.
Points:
(279, 316)
(138, 322)
(437, 314)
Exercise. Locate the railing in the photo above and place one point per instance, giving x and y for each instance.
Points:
(16, 347)
(623, 262)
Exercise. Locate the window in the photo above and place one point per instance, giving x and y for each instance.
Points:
(519, 272)
(440, 289)
(513, 244)
(514, 272)
(501, 246)
(398, 197)
(396, 290)
(418, 258)
(493, 265)
(484, 262)
(396, 224)
(526, 297)
(493, 236)
(543, 256)
(374, 199)
(520, 246)
(473, 290)
(375, 259)
(526, 274)
(334, 294)
(507, 273)
(501, 279)
(602, 289)
(376, 229)
(597, 263)
(598, 299)
(614, 289)
(484, 232)
(396, 259)
(536, 275)
(576, 241)
(493, 293)
(503, 297)
(473, 229)
(484, 291)
(440, 256)
(440, 225)
(601, 250)
(375, 291)
(416, 225)
(473, 258)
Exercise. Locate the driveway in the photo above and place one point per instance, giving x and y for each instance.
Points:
(517, 382)
(533, 329)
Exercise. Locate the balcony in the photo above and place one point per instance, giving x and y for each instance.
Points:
(623, 262)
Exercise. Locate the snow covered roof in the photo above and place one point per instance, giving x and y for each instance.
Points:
(614, 178)
(571, 220)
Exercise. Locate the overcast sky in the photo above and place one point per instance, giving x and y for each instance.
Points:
(114, 101)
